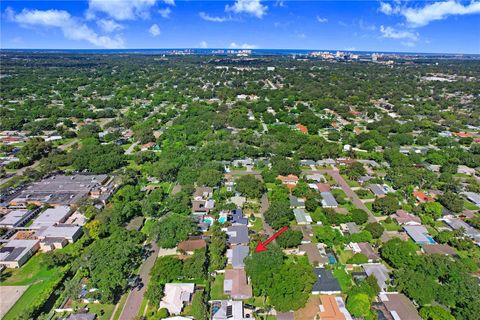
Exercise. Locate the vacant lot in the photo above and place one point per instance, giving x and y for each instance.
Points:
(37, 277)
(10, 295)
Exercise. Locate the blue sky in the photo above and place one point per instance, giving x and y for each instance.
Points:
(447, 26)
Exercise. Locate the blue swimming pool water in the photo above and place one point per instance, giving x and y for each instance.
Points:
(331, 259)
(222, 219)
(208, 220)
(431, 240)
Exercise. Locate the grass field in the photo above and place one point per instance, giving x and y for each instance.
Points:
(344, 278)
(257, 225)
(216, 291)
(39, 278)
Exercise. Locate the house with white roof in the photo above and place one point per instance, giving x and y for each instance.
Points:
(176, 295)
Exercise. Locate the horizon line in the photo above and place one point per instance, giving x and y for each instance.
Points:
(239, 49)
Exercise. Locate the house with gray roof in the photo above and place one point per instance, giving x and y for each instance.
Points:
(236, 255)
(419, 234)
(296, 202)
(328, 200)
(468, 230)
(380, 272)
(377, 190)
(82, 316)
(237, 234)
(326, 283)
(473, 197)
(302, 216)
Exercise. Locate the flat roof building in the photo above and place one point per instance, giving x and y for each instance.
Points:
(69, 232)
(62, 190)
(50, 217)
(16, 218)
(16, 252)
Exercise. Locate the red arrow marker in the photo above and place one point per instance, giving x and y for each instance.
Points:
(263, 246)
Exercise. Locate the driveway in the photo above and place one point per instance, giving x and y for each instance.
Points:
(263, 208)
(134, 300)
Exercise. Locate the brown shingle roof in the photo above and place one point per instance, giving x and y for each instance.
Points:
(191, 245)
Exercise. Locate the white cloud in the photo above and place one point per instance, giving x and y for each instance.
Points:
(251, 7)
(165, 13)
(203, 44)
(322, 20)
(169, 2)
(343, 24)
(121, 9)
(71, 27)
(438, 11)
(234, 45)
(421, 16)
(154, 30)
(207, 17)
(391, 33)
(108, 25)
(365, 26)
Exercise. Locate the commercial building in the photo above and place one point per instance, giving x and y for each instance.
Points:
(16, 218)
(16, 252)
(64, 190)
(50, 217)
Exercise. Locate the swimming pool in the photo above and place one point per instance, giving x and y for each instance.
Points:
(208, 220)
(222, 219)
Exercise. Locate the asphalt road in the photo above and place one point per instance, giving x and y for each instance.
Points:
(135, 297)
(338, 179)
(346, 188)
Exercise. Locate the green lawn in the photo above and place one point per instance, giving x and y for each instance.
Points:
(216, 291)
(39, 278)
(344, 278)
(351, 183)
(121, 304)
(148, 227)
(103, 311)
(469, 206)
(257, 225)
(344, 255)
(392, 226)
